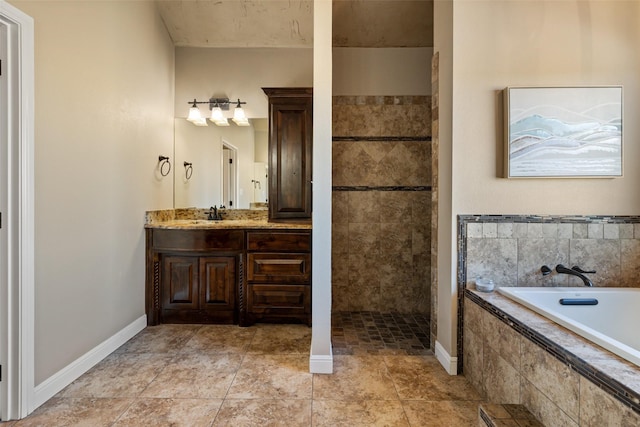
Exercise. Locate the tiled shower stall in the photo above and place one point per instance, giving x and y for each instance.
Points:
(382, 205)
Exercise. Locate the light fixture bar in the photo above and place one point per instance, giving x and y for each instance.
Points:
(217, 106)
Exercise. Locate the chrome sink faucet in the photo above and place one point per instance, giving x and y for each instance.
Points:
(576, 271)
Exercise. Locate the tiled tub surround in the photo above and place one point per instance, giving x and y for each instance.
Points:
(513, 355)
(511, 249)
(381, 204)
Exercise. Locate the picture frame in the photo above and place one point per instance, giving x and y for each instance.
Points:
(563, 132)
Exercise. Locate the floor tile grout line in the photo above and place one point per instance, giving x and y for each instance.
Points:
(243, 355)
(138, 397)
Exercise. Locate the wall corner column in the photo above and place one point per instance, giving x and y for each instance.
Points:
(321, 358)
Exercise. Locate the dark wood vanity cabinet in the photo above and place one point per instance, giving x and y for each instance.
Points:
(198, 289)
(290, 152)
(199, 276)
(193, 275)
(278, 285)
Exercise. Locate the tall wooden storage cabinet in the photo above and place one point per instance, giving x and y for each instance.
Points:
(290, 152)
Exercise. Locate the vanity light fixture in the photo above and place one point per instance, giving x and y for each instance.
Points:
(239, 116)
(194, 112)
(217, 106)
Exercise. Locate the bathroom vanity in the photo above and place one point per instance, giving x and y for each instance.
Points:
(236, 271)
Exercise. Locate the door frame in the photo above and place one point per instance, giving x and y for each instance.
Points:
(232, 186)
(18, 308)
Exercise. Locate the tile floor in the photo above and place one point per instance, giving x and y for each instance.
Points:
(370, 332)
(215, 375)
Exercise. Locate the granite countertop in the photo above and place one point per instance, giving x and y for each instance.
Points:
(187, 224)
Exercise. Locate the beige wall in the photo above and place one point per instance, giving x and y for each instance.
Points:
(542, 43)
(203, 73)
(202, 146)
(382, 71)
(104, 112)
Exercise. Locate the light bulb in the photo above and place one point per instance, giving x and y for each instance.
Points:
(194, 114)
(216, 114)
(239, 114)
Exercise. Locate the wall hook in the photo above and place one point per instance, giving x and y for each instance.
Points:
(188, 170)
(162, 161)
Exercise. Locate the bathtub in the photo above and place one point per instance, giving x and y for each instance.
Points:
(607, 316)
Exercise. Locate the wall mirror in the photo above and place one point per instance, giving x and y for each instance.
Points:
(221, 165)
(203, 73)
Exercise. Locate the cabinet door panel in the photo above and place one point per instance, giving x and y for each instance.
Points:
(180, 282)
(217, 282)
(290, 152)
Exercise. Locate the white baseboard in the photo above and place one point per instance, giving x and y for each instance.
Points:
(321, 363)
(65, 376)
(449, 363)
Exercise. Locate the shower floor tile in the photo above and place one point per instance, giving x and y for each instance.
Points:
(370, 332)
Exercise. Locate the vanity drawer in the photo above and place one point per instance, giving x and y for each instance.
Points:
(278, 267)
(275, 241)
(279, 299)
(190, 240)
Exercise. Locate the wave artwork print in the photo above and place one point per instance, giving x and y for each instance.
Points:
(565, 132)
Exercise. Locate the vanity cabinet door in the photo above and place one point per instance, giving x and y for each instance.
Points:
(217, 283)
(290, 152)
(180, 282)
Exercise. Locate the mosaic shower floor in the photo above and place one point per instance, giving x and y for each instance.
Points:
(369, 332)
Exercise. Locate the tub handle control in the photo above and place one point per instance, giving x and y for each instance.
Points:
(579, 270)
(545, 270)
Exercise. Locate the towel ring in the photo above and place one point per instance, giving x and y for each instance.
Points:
(188, 170)
(164, 160)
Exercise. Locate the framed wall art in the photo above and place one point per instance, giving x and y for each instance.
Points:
(563, 132)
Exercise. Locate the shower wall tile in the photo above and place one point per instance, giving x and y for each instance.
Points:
(382, 228)
(340, 239)
(435, 147)
(364, 206)
(381, 163)
(340, 207)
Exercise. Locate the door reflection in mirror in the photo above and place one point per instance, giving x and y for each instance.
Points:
(205, 148)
